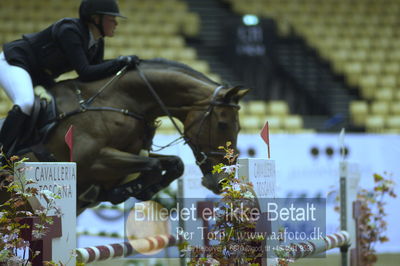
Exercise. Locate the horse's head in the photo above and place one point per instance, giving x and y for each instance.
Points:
(212, 126)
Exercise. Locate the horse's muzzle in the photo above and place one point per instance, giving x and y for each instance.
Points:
(212, 182)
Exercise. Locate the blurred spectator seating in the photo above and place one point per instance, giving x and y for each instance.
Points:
(254, 114)
(360, 39)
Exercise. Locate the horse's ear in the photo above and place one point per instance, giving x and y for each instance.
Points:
(242, 92)
(235, 94)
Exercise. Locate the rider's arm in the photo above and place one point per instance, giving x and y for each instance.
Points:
(73, 47)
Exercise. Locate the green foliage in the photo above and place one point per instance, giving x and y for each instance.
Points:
(15, 208)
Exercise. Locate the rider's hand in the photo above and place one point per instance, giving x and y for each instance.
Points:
(130, 60)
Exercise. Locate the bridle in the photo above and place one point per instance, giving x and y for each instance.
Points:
(200, 156)
(200, 121)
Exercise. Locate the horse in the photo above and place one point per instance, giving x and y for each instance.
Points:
(114, 125)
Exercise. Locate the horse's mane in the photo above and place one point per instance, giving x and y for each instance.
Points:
(162, 63)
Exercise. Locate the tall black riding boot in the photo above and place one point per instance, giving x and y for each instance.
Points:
(12, 130)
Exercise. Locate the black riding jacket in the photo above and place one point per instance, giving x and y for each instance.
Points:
(58, 49)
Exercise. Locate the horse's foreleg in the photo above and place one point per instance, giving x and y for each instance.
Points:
(172, 165)
(112, 162)
(173, 168)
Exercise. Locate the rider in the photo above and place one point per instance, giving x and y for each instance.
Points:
(39, 58)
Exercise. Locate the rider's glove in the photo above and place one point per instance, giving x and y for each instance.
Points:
(129, 60)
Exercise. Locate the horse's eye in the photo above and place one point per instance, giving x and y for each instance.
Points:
(222, 125)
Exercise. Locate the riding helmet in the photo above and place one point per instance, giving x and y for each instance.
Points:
(101, 7)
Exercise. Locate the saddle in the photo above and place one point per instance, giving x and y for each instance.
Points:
(42, 120)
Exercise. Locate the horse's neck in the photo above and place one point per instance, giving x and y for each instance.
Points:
(177, 90)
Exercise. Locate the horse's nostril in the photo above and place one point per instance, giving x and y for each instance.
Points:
(204, 182)
(219, 188)
(212, 183)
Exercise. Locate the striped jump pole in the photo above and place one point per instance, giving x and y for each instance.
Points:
(120, 250)
(312, 247)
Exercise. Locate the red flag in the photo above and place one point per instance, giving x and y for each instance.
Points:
(69, 139)
(265, 136)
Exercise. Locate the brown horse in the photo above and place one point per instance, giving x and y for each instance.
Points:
(113, 133)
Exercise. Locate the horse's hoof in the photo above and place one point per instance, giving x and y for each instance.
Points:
(116, 196)
(147, 194)
(144, 196)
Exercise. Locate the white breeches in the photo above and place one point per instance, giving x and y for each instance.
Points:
(17, 84)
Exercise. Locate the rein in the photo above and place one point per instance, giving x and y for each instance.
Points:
(166, 111)
(89, 101)
(159, 101)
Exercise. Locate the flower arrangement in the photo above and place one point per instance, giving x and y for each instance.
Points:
(16, 193)
(373, 224)
(231, 245)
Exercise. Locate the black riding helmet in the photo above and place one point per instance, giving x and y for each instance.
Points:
(98, 7)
